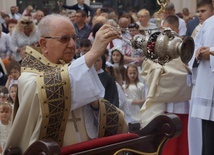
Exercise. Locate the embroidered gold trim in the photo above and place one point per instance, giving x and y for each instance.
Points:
(111, 119)
(54, 93)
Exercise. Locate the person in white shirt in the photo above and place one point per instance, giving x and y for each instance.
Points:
(4, 45)
(13, 14)
(203, 98)
(143, 21)
(205, 10)
(38, 16)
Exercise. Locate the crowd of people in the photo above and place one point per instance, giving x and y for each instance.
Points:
(89, 54)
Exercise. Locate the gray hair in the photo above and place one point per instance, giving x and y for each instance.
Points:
(170, 6)
(112, 22)
(46, 25)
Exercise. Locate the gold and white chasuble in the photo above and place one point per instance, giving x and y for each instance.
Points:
(45, 109)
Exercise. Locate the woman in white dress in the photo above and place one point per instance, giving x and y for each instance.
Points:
(24, 34)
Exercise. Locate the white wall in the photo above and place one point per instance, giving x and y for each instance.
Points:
(6, 4)
(180, 4)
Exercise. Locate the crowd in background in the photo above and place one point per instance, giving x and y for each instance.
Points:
(119, 69)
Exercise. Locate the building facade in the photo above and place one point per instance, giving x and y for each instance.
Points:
(119, 5)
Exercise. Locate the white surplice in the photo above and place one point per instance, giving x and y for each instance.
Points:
(202, 96)
(204, 89)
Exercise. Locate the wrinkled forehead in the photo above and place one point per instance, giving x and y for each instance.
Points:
(63, 26)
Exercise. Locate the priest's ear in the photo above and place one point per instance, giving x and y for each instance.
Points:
(42, 43)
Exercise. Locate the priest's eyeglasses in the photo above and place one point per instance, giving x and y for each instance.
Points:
(64, 38)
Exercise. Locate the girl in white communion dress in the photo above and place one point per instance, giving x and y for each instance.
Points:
(135, 94)
(5, 123)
